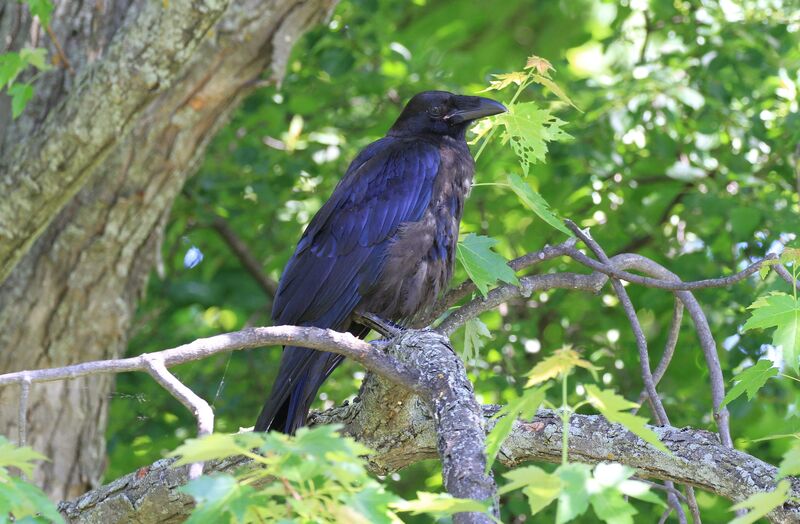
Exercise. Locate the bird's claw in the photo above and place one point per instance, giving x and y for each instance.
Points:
(386, 328)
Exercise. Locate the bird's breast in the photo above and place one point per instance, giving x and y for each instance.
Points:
(421, 255)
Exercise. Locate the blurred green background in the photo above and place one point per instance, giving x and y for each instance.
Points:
(686, 152)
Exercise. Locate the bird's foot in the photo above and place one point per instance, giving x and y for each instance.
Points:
(386, 328)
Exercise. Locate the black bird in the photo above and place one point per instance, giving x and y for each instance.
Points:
(383, 244)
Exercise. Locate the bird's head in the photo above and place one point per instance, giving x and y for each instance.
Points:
(443, 113)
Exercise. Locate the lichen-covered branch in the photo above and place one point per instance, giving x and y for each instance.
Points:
(407, 435)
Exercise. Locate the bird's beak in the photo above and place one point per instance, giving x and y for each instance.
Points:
(469, 108)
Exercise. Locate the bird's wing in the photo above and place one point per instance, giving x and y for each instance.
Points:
(342, 250)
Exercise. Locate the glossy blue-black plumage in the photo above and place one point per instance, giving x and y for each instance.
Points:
(386, 234)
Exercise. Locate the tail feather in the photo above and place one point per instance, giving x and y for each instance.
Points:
(301, 374)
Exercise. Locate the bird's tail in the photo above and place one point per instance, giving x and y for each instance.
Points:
(300, 376)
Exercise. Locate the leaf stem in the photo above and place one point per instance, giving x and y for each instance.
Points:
(564, 420)
(525, 83)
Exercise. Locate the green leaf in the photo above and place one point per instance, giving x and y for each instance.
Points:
(760, 504)
(41, 8)
(484, 266)
(11, 65)
(20, 96)
(373, 504)
(215, 446)
(439, 504)
(475, 335)
(563, 360)
(790, 255)
(506, 79)
(615, 409)
(21, 458)
(529, 129)
(544, 490)
(541, 488)
(790, 465)
(536, 203)
(523, 407)
(36, 57)
(780, 311)
(751, 380)
(555, 88)
(574, 497)
(220, 497)
(25, 501)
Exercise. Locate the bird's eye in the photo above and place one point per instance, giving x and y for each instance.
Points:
(436, 111)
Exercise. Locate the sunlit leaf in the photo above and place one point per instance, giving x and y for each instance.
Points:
(782, 312)
(536, 203)
(790, 464)
(555, 88)
(506, 79)
(562, 361)
(760, 504)
(21, 94)
(41, 8)
(540, 488)
(523, 407)
(616, 409)
(36, 57)
(21, 458)
(574, 497)
(439, 504)
(215, 446)
(529, 129)
(484, 266)
(751, 380)
(542, 65)
(475, 336)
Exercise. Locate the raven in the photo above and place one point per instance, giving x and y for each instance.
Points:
(383, 244)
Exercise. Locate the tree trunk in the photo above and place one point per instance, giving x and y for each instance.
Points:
(73, 293)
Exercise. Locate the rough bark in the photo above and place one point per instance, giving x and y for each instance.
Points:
(73, 293)
(400, 428)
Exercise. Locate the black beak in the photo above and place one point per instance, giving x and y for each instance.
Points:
(469, 108)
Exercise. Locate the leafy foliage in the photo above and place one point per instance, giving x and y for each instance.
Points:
(780, 311)
(20, 500)
(616, 409)
(484, 266)
(13, 63)
(523, 407)
(529, 128)
(475, 335)
(751, 380)
(683, 154)
(761, 503)
(315, 476)
(561, 362)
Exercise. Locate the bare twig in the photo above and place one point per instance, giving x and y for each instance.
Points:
(669, 349)
(315, 338)
(785, 275)
(467, 287)
(644, 363)
(22, 420)
(671, 285)
(61, 55)
(245, 256)
(527, 286)
(199, 407)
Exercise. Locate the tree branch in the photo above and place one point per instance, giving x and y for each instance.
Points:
(407, 435)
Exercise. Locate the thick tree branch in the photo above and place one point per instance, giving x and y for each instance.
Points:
(42, 174)
(150, 495)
